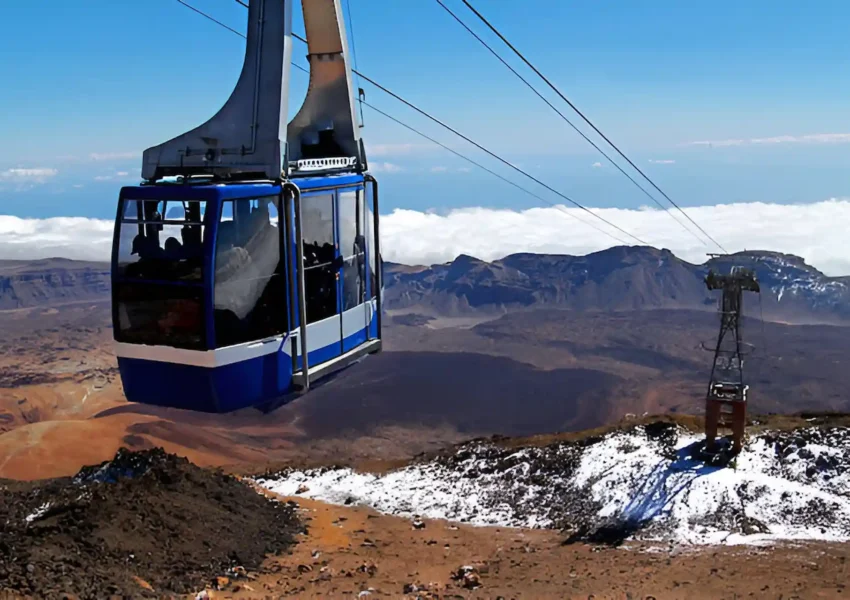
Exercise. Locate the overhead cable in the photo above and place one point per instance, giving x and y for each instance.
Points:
(586, 120)
(211, 18)
(457, 133)
(566, 119)
(485, 150)
(490, 171)
(499, 158)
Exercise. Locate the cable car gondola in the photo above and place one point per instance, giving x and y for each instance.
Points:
(246, 267)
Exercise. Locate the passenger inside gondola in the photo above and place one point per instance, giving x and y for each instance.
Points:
(143, 255)
(250, 291)
(173, 249)
(320, 265)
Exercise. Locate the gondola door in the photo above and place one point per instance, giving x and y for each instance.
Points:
(352, 280)
(321, 276)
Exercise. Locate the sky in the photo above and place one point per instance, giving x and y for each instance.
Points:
(737, 110)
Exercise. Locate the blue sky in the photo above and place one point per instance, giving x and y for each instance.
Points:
(90, 84)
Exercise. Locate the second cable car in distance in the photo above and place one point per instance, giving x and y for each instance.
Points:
(246, 268)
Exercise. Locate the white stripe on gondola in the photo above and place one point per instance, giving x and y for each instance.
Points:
(319, 335)
(201, 358)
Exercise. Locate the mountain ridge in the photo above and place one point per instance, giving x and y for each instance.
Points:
(614, 279)
(51, 281)
(618, 278)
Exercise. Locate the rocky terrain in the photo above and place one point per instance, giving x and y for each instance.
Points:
(394, 434)
(609, 364)
(144, 523)
(645, 482)
(520, 373)
(148, 524)
(353, 551)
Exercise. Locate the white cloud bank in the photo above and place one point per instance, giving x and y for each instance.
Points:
(817, 232)
(118, 175)
(105, 156)
(36, 175)
(815, 138)
(69, 237)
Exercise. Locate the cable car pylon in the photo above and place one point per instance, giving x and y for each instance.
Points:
(246, 267)
(726, 397)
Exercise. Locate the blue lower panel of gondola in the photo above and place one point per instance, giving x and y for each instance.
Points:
(321, 355)
(221, 389)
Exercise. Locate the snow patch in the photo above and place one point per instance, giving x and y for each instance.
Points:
(37, 514)
(645, 483)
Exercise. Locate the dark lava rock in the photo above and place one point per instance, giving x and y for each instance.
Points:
(147, 514)
(467, 576)
(752, 526)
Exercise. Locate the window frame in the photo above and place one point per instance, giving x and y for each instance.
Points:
(333, 265)
(142, 223)
(371, 255)
(117, 280)
(212, 253)
(349, 260)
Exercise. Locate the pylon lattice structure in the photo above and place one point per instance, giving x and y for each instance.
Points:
(726, 399)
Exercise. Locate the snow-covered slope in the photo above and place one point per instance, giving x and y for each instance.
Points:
(641, 483)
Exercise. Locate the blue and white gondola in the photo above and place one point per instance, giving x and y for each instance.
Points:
(227, 276)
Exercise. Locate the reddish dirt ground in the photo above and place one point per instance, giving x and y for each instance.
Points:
(348, 550)
(47, 430)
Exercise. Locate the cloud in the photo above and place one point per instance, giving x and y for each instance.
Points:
(99, 157)
(70, 237)
(415, 237)
(662, 162)
(464, 170)
(597, 165)
(118, 175)
(102, 156)
(807, 230)
(816, 138)
(39, 175)
(385, 167)
(439, 169)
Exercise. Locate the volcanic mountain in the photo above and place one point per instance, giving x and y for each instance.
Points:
(619, 278)
(50, 282)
